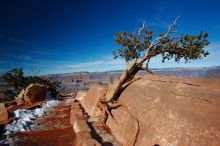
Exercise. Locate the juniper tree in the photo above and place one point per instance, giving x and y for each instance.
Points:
(138, 48)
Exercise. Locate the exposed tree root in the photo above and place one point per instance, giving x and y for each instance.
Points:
(114, 105)
(106, 113)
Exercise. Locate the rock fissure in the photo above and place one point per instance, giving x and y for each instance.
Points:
(175, 82)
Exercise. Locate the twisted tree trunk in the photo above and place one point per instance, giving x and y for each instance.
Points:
(115, 88)
(128, 74)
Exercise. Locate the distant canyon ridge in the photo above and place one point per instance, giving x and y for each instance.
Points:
(72, 82)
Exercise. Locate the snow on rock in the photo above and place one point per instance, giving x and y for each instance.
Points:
(25, 118)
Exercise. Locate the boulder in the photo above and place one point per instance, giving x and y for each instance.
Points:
(20, 98)
(32, 93)
(3, 116)
(80, 95)
(91, 100)
(169, 111)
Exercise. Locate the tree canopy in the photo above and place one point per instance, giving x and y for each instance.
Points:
(169, 44)
(138, 48)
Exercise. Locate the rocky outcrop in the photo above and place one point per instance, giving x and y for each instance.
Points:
(20, 98)
(32, 93)
(91, 100)
(168, 111)
(80, 95)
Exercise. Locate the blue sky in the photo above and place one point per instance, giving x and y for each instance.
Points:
(68, 36)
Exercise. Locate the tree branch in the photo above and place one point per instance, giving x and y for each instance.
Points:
(148, 70)
(35, 72)
(140, 29)
(170, 28)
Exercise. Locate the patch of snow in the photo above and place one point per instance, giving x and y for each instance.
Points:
(25, 118)
(24, 121)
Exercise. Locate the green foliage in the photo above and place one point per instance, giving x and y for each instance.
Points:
(171, 46)
(187, 47)
(16, 78)
(132, 45)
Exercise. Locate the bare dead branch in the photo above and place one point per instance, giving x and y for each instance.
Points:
(140, 29)
(170, 29)
(35, 72)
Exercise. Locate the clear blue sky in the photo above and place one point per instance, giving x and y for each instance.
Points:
(78, 35)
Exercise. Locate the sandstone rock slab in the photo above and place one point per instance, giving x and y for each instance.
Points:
(170, 111)
(80, 95)
(124, 127)
(80, 125)
(91, 100)
(74, 114)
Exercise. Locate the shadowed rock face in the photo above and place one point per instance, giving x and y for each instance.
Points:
(92, 98)
(128, 130)
(32, 93)
(169, 111)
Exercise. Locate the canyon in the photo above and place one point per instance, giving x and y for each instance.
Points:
(72, 82)
(157, 110)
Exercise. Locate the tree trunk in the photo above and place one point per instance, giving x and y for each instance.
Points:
(128, 74)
